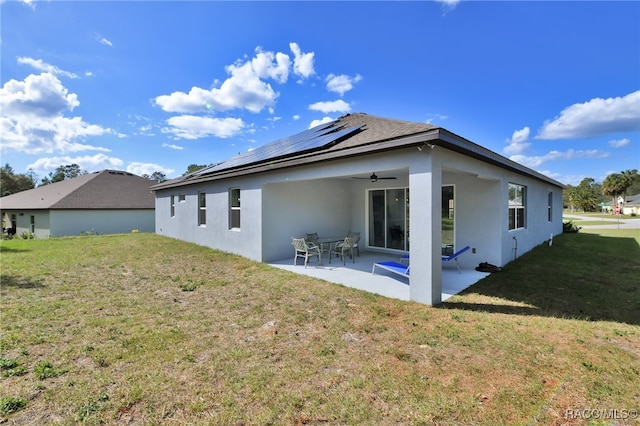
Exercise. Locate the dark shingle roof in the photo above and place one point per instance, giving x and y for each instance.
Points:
(108, 189)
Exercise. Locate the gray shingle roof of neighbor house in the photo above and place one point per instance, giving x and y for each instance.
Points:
(373, 134)
(107, 189)
(632, 200)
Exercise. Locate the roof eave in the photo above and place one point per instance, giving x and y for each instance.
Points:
(437, 136)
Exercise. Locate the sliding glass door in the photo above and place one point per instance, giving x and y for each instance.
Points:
(389, 218)
(448, 219)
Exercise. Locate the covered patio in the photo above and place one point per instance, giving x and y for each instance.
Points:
(358, 275)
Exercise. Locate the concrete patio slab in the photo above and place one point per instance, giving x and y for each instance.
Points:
(358, 275)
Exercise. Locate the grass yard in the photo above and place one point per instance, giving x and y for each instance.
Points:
(140, 329)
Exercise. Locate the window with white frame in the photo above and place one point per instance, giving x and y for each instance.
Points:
(234, 208)
(202, 208)
(517, 204)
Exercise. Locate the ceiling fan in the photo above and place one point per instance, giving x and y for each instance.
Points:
(374, 177)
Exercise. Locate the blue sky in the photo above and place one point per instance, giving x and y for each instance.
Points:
(155, 86)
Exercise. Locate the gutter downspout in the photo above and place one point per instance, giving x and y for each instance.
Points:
(515, 249)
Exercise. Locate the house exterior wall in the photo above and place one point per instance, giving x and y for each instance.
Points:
(216, 232)
(76, 222)
(324, 198)
(293, 209)
(58, 223)
(23, 222)
(538, 228)
(482, 210)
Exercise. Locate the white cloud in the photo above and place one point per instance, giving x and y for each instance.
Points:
(104, 41)
(436, 116)
(32, 119)
(315, 123)
(341, 84)
(244, 89)
(595, 118)
(40, 65)
(302, 62)
(89, 163)
(30, 3)
(195, 127)
(147, 169)
(327, 107)
(172, 146)
(448, 5)
(296, 117)
(36, 96)
(620, 143)
(271, 65)
(536, 161)
(519, 142)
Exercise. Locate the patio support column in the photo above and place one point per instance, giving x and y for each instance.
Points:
(425, 229)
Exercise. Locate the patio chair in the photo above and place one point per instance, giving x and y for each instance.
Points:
(304, 250)
(342, 249)
(356, 239)
(455, 256)
(452, 257)
(312, 240)
(394, 267)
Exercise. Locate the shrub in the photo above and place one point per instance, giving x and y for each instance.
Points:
(569, 227)
(27, 235)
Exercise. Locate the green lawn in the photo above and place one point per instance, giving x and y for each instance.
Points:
(142, 329)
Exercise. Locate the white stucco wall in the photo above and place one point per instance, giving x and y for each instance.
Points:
(76, 222)
(59, 223)
(293, 209)
(216, 233)
(482, 209)
(23, 222)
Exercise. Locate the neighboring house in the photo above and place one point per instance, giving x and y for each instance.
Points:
(406, 187)
(631, 205)
(106, 202)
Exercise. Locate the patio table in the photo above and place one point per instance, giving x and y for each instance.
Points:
(328, 241)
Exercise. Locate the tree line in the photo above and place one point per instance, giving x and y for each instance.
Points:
(589, 194)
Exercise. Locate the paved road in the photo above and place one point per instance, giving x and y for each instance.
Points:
(621, 222)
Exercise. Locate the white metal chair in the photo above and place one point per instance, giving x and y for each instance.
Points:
(356, 239)
(342, 249)
(304, 250)
(312, 240)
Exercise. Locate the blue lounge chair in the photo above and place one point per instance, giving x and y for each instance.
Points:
(454, 257)
(449, 258)
(395, 267)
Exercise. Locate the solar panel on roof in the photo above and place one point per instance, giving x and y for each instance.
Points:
(309, 139)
